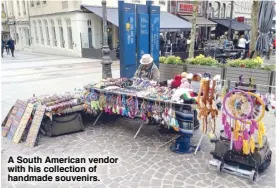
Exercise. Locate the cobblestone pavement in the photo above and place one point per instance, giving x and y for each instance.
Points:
(141, 162)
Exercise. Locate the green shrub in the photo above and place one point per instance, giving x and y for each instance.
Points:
(162, 59)
(171, 60)
(255, 63)
(202, 60)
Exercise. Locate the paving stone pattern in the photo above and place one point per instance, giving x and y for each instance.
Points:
(141, 162)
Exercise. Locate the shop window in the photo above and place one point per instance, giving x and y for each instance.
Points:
(32, 3)
(62, 42)
(36, 36)
(44, 2)
(89, 33)
(47, 32)
(38, 3)
(69, 33)
(54, 37)
(41, 32)
(26, 37)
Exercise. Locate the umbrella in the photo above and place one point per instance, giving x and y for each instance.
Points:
(265, 19)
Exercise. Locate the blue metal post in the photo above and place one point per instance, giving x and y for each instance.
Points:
(127, 40)
(154, 14)
(142, 31)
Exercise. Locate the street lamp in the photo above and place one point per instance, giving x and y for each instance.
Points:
(106, 60)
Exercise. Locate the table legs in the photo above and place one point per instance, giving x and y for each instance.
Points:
(98, 118)
(142, 124)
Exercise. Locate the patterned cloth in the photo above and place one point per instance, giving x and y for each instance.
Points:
(152, 73)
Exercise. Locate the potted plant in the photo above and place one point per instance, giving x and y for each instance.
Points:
(201, 64)
(250, 68)
(170, 66)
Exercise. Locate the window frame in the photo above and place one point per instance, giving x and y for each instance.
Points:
(18, 8)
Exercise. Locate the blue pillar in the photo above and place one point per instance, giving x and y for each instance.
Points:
(142, 31)
(127, 39)
(154, 13)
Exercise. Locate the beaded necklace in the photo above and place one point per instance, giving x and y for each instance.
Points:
(102, 101)
(124, 106)
(132, 106)
(143, 110)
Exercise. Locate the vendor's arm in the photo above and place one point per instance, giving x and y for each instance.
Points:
(155, 74)
(136, 74)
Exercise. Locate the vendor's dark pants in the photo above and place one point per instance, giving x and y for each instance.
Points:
(8, 50)
(2, 51)
(12, 52)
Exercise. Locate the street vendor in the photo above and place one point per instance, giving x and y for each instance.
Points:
(147, 69)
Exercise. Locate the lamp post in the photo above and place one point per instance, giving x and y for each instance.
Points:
(106, 60)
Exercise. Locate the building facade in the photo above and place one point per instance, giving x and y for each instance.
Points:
(59, 27)
(62, 27)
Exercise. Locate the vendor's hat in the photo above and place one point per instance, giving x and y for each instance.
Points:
(146, 59)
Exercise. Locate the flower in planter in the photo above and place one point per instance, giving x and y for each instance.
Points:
(255, 63)
(173, 60)
(202, 60)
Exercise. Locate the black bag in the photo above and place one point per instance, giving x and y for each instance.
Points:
(63, 124)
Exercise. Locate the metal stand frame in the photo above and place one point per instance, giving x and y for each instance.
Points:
(98, 118)
(199, 142)
(169, 141)
(142, 124)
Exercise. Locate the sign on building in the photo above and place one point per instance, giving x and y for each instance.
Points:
(187, 8)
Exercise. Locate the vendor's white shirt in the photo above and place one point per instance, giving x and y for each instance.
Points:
(242, 42)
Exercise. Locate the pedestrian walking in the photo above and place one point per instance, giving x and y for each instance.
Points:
(2, 47)
(11, 46)
(7, 48)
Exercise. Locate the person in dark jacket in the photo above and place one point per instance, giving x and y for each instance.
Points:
(7, 47)
(11, 46)
(182, 44)
(2, 47)
(162, 44)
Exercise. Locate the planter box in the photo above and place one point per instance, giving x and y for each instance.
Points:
(168, 71)
(202, 69)
(259, 77)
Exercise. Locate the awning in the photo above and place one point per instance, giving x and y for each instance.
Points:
(111, 13)
(168, 22)
(237, 26)
(200, 21)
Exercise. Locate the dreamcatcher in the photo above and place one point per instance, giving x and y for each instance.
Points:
(242, 118)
